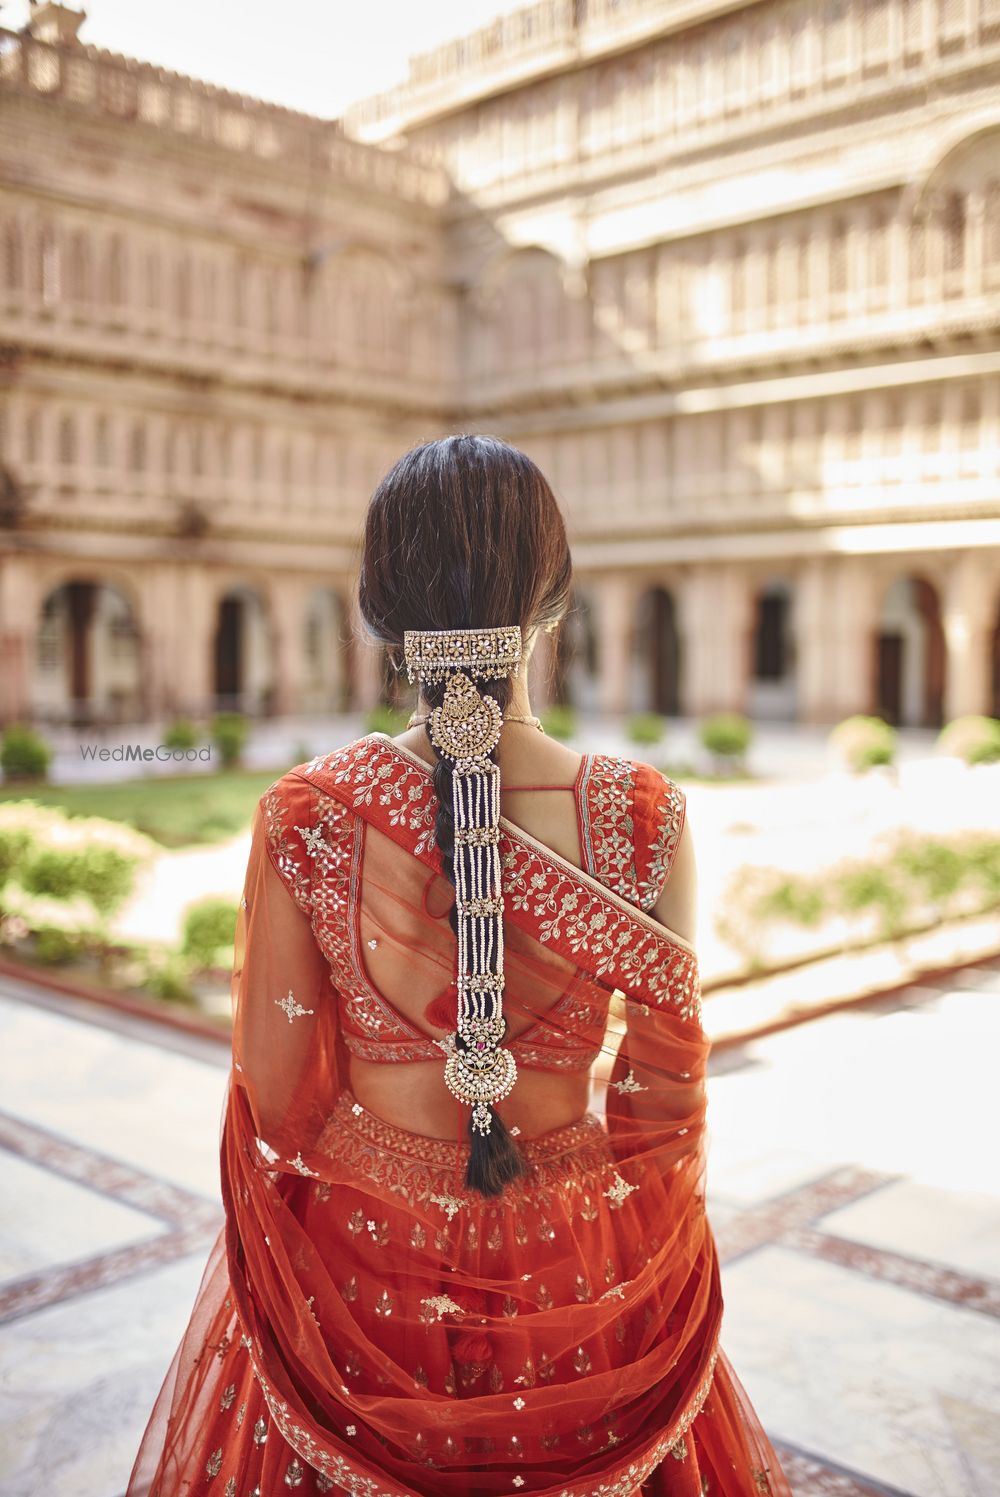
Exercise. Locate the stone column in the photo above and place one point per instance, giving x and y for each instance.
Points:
(189, 677)
(287, 609)
(613, 595)
(715, 623)
(967, 616)
(19, 613)
(813, 622)
(854, 600)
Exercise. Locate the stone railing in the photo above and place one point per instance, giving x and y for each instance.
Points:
(752, 59)
(130, 92)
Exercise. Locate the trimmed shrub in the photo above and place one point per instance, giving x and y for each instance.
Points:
(646, 728)
(864, 742)
(974, 740)
(24, 754)
(180, 734)
(54, 947)
(208, 931)
(167, 977)
(726, 736)
(229, 731)
(103, 874)
(14, 844)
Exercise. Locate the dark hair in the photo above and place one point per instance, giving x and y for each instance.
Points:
(464, 533)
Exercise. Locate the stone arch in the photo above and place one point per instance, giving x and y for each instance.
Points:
(89, 649)
(657, 646)
(966, 145)
(773, 684)
(325, 673)
(366, 294)
(910, 654)
(521, 298)
(243, 649)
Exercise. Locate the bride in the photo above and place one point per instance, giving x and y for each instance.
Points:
(463, 1150)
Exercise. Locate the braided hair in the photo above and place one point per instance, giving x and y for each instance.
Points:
(464, 533)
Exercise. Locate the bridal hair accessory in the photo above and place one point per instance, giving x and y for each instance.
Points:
(465, 729)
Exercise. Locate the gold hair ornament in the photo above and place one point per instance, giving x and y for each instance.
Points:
(466, 728)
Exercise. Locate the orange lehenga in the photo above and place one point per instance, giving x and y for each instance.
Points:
(365, 1323)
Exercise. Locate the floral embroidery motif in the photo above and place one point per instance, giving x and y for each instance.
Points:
(605, 797)
(292, 1008)
(314, 840)
(226, 1400)
(299, 1163)
(628, 1084)
(449, 1204)
(294, 1474)
(231, 1487)
(417, 1167)
(439, 1305)
(619, 1192)
(214, 1464)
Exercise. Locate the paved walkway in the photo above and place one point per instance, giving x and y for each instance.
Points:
(853, 1186)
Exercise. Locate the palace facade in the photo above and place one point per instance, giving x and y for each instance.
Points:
(729, 273)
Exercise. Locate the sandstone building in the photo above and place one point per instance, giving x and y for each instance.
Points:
(730, 273)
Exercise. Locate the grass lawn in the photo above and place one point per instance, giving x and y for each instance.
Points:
(176, 811)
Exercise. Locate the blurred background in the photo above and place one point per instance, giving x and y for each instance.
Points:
(730, 274)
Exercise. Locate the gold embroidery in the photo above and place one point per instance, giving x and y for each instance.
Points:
(300, 1164)
(226, 1401)
(663, 848)
(619, 1192)
(294, 1474)
(231, 1487)
(214, 1464)
(439, 1305)
(292, 1008)
(260, 1432)
(419, 1168)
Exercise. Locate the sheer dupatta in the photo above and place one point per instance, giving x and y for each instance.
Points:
(617, 1347)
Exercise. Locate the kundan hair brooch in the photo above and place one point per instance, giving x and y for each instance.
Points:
(465, 729)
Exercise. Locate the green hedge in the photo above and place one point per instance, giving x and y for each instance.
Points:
(864, 742)
(913, 882)
(974, 740)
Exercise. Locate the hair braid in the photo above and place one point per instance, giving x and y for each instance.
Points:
(494, 1158)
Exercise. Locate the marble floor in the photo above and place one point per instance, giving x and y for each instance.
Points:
(854, 1191)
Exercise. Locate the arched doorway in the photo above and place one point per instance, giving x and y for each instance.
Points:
(910, 662)
(772, 694)
(324, 674)
(658, 652)
(242, 653)
(89, 656)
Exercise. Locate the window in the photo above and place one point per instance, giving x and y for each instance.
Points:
(137, 448)
(67, 440)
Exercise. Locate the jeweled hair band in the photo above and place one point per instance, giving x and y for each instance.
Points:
(465, 729)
